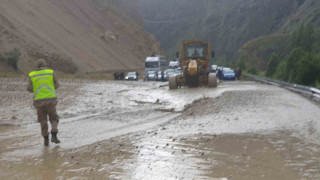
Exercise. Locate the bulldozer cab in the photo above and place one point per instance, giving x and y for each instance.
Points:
(197, 53)
(195, 49)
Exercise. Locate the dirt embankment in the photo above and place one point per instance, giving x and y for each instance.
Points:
(74, 36)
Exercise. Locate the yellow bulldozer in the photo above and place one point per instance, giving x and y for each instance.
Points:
(194, 58)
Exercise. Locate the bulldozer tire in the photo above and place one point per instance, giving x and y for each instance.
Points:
(212, 80)
(173, 82)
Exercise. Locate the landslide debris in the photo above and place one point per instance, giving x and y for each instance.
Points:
(74, 36)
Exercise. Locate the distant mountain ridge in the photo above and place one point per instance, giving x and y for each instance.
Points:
(227, 24)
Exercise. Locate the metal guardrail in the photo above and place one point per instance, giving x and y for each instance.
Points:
(294, 87)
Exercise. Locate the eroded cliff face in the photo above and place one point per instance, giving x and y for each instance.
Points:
(127, 9)
(74, 36)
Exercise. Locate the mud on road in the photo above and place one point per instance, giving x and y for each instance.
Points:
(138, 130)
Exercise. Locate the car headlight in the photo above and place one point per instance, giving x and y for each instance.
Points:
(126, 77)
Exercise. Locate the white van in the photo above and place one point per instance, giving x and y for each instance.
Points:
(174, 64)
(156, 63)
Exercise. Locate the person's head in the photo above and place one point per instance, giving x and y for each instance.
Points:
(41, 63)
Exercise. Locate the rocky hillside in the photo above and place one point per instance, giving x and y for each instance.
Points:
(127, 9)
(74, 36)
(228, 24)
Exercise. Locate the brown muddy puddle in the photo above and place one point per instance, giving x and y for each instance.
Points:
(154, 155)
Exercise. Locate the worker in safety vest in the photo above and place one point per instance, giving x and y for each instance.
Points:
(43, 84)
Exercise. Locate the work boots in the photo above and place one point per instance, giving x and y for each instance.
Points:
(54, 138)
(46, 140)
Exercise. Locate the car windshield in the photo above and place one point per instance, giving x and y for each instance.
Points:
(175, 63)
(151, 72)
(152, 64)
(195, 50)
(228, 71)
(170, 70)
(178, 71)
(131, 74)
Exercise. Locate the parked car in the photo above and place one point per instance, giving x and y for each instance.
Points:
(173, 64)
(170, 72)
(228, 74)
(159, 76)
(150, 76)
(214, 68)
(132, 76)
(178, 71)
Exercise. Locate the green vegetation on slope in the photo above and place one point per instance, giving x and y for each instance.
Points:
(258, 51)
(273, 64)
(295, 58)
(302, 66)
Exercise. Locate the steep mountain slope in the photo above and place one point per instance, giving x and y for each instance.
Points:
(128, 9)
(307, 13)
(74, 36)
(228, 24)
(259, 50)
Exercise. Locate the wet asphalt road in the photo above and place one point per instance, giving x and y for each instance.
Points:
(139, 130)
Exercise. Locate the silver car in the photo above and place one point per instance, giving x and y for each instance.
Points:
(150, 76)
(159, 76)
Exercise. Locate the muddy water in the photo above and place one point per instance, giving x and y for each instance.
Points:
(137, 130)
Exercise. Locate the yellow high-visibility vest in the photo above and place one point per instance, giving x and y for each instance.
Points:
(43, 84)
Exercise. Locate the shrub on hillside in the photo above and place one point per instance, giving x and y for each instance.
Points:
(254, 70)
(273, 64)
(293, 63)
(281, 72)
(304, 38)
(13, 58)
(308, 69)
(242, 61)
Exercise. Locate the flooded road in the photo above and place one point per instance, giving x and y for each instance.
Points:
(140, 130)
